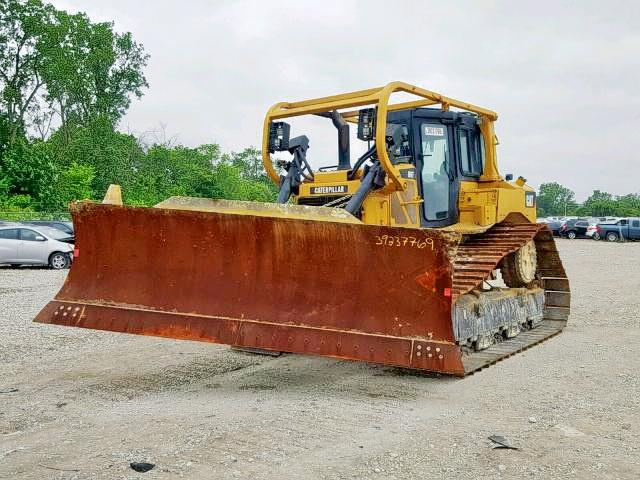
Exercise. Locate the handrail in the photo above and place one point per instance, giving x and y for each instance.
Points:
(380, 97)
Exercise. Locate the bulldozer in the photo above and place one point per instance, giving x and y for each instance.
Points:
(416, 254)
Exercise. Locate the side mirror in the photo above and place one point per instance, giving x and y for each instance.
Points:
(40, 238)
(508, 177)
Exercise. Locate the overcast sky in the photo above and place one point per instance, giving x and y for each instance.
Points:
(564, 77)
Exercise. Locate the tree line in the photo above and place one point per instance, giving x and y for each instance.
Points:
(557, 200)
(65, 83)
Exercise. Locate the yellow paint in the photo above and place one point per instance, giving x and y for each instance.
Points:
(486, 203)
(481, 203)
(332, 178)
(258, 209)
(113, 195)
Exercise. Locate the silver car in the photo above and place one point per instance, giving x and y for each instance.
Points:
(29, 245)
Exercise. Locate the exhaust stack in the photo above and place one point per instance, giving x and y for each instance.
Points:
(344, 155)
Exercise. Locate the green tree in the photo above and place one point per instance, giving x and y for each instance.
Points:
(27, 169)
(555, 199)
(59, 65)
(23, 24)
(628, 205)
(73, 183)
(4, 133)
(92, 70)
(599, 204)
(62, 69)
(114, 156)
(166, 171)
(249, 164)
(231, 184)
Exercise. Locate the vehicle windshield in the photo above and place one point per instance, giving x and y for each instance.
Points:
(52, 232)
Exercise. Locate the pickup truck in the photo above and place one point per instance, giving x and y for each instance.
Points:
(623, 229)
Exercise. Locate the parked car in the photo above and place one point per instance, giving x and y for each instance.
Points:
(623, 229)
(575, 228)
(66, 227)
(555, 226)
(30, 245)
(593, 231)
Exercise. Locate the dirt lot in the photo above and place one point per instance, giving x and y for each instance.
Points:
(78, 404)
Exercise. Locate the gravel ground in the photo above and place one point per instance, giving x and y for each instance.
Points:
(78, 404)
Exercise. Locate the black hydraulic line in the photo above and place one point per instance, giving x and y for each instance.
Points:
(366, 156)
(300, 159)
(374, 178)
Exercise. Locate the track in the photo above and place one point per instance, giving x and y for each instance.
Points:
(481, 254)
(478, 360)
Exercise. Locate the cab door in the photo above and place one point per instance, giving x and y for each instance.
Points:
(32, 247)
(437, 167)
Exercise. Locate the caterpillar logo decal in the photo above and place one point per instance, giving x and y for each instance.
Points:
(329, 189)
(530, 199)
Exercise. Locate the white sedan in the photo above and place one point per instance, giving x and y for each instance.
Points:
(29, 245)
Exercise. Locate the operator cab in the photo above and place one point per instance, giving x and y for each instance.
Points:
(446, 149)
(438, 149)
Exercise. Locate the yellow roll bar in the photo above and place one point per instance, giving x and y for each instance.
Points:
(380, 97)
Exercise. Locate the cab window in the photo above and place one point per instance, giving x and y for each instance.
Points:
(400, 151)
(29, 235)
(470, 152)
(9, 234)
(465, 154)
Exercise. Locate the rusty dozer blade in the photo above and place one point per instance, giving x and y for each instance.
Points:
(320, 286)
(290, 278)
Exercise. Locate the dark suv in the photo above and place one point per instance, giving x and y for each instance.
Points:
(576, 228)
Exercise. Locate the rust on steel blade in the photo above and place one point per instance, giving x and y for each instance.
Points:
(344, 290)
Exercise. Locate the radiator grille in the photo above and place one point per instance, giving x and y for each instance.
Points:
(317, 201)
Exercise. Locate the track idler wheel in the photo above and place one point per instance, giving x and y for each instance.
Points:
(519, 268)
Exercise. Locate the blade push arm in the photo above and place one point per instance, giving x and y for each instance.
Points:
(297, 169)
